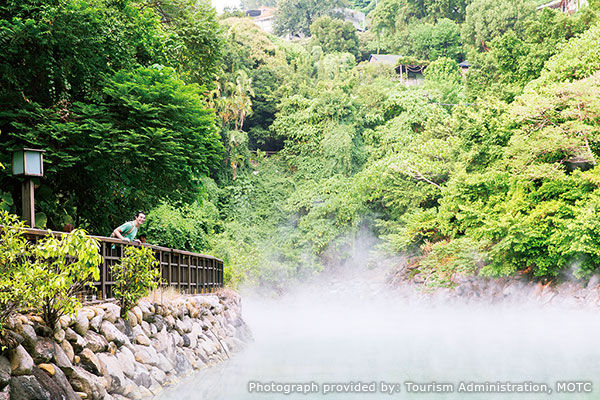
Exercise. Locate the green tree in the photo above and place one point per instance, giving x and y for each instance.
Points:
(487, 19)
(296, 16)
(195, 41)
(432, 41)
(149, 127)
(334, 35)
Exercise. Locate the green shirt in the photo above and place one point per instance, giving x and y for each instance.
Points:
(128, 230)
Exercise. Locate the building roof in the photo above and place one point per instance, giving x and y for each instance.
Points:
(385, 58)
(464, 64)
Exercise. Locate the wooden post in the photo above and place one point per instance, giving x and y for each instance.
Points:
(28, 203)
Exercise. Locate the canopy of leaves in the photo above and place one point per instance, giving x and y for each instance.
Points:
(295, 17)
(489, 19)
(334, 35)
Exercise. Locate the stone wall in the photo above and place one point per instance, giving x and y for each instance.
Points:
(99, 355)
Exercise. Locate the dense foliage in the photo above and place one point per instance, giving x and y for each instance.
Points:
(278, 156)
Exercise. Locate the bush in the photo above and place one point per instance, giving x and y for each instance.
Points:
(135, 276)
(61, 268)
(184, 228)
(15, 292)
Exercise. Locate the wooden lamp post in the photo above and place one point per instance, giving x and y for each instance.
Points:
(28, 163)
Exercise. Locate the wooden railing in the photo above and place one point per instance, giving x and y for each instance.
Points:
(188, 272)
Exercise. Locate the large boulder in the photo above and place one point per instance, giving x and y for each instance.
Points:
(112, 312)
(5, 372)
(90, 362)
(27, 387)
(113, 369)
(43, 351)
(75, 339)
(51, 386)
(21, 362)
(112, 334)
(95, 342)
(127, 361)
(82, 381)
(61, 380)
(29, 336)
(82, 323)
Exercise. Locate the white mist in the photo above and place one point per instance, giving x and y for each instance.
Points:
(348, 329)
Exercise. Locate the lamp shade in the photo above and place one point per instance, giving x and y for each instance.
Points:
(28, 162)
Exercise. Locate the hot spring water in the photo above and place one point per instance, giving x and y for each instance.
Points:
(369, 344)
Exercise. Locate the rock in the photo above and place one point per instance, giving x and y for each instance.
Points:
(158, 375)
(61, 380)
(146, 328)
(59, 335)
(96, 322)
(64, 321)
(112, 312)
(164, 364)
(95, 342)
(187, 324)
(142, 339)
(82, 323)
(91, 385)
(159, 322)
(146, 355)
(43, 351)
(47, 368)
(49, 384)
(127, 361)
(5, 371)
(112, 368)
(125, 327)
(593, 282)
(112, 334)
(28, 388)
(170, 321)
(142, 377)
(88, 312)
(68, 349)
(75, 339)
(29, 336)
(21, 362)
(186, 340)
(182, 364)
(162, 340)
(137, 311)
(131, 318)
(90, 362)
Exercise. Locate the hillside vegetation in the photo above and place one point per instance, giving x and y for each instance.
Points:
(170, 109)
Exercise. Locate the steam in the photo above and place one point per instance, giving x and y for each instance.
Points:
(347, 326)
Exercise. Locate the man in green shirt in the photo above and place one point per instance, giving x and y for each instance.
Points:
(128, 230)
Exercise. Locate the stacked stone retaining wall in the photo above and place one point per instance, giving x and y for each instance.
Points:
(99, 355)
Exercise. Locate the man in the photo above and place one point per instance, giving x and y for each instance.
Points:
(128, 230)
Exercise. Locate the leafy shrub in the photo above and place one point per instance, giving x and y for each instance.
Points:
(15, 292)
(184, 228)
(135, 276)
(62, 267)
